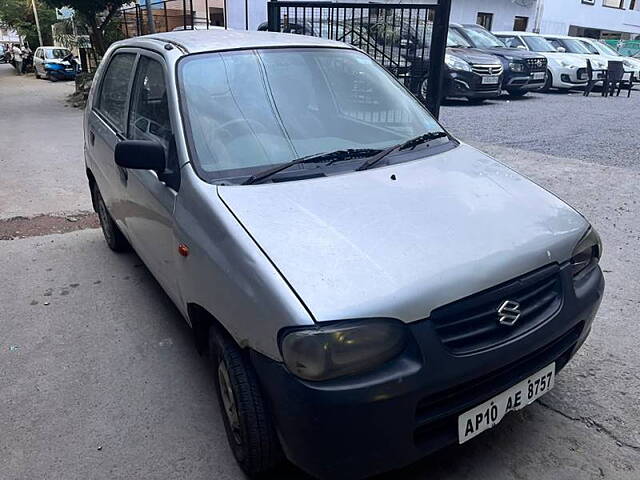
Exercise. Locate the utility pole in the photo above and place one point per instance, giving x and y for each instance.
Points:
(35, 15)
(539, 11)
(150, 23)
(246, 14)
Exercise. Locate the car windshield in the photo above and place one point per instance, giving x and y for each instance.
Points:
(590, 47)
(482, 39)
(605, 49)
(538, 44)
(250, 109)
(58, 53)
(454, 39)
(573, 46)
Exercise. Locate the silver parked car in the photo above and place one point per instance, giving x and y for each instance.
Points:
(368, 288)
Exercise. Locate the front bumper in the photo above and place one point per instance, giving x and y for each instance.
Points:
(523, 81)
(361, 426)
(564, 77)
(469, 84)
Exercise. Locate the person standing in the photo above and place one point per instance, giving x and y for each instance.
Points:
(17, 58)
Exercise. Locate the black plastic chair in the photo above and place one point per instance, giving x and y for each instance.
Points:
(615, 79)
(592, 78)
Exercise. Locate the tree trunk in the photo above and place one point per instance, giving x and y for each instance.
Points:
(97, 38)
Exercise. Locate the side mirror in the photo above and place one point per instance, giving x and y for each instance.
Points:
(521, 47)
(141, 155)
(561, 49)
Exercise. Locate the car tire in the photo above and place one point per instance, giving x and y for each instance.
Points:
(52, 78)
(548, 83)
(517, 93)
(247, 420)
(37, 74)
(112, 234)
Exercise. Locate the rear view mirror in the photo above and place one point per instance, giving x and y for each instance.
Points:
(141, 155)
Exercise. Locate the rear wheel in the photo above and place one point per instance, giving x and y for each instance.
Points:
(548, 83)
(112, 234)
(247, 420)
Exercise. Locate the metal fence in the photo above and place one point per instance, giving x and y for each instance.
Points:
(165, 16)
(409, 40)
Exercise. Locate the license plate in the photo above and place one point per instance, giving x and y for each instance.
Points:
(490, 413)
(490, 80)
(537, 75)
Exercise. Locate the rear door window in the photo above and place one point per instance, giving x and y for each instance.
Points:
(112, 102)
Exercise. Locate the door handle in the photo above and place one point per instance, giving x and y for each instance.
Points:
(92, 137)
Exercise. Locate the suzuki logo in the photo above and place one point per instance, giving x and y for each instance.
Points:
(539, 62)
(509, 313)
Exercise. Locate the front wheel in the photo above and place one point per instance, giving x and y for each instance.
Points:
(247, 420)
(548, 83)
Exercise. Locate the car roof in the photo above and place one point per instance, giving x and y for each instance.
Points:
(196, 41)
(518, 33)
(553, 35)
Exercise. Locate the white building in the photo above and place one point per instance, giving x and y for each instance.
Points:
(594, 18)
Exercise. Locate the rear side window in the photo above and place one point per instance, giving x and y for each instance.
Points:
(112, 102)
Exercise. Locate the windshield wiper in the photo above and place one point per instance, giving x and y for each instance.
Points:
(408, 145)
(327, 157)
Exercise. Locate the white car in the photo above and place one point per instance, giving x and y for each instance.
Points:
(565, 43)
(565, 70)
(607, 53)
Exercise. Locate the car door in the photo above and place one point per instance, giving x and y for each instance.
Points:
(37, 61)
(107, 124)
(151, 197)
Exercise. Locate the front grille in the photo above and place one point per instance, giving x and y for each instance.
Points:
(537, 64)
(436, 416)
(471, 324)
(487, 69)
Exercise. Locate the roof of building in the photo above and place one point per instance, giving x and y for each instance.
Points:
(194, 41)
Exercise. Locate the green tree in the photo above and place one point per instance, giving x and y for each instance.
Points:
(18, 14)
(97, 14)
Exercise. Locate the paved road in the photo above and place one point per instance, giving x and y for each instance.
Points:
(99, 379)
(40, 136)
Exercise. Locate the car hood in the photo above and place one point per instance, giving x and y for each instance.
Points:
(474, 56)
(362, 245)
(573, 58)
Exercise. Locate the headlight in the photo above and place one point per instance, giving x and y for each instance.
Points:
(456, 63)
(587, 253)
(516, 67)
(342, 349)
(627, 63)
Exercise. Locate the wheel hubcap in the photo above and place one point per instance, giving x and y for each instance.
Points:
(229, 402)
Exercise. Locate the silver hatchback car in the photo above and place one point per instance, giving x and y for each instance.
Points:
(368, 288)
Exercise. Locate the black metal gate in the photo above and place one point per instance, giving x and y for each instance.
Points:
(409, 40)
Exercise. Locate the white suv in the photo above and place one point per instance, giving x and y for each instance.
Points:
(565, 70)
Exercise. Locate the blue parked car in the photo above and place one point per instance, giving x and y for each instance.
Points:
(54, 63)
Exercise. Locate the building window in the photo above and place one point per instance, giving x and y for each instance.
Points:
(485, 19)
(520, 24)
(613, 3)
